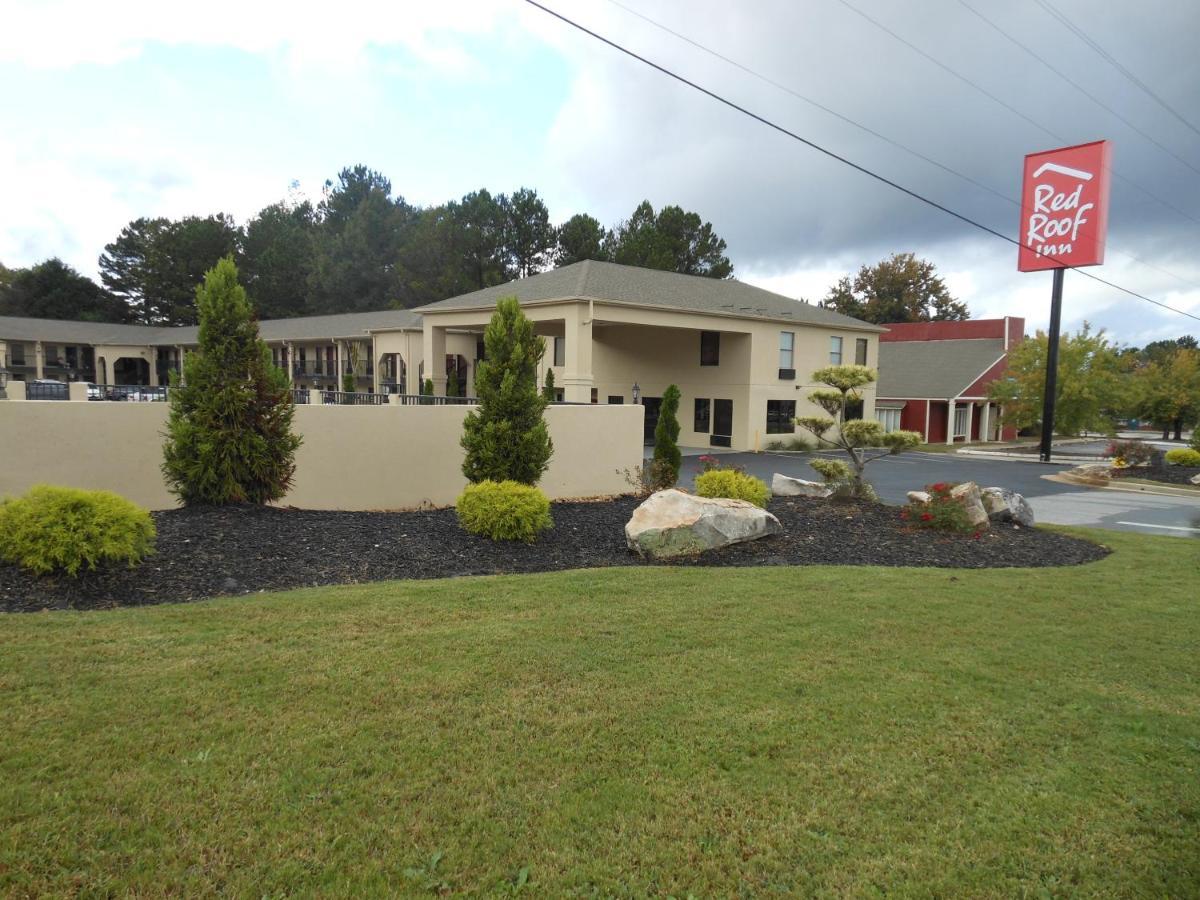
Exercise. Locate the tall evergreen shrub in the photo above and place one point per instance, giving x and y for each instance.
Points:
(229, 432)
(505, 436)
(667, 458)
(548, 386)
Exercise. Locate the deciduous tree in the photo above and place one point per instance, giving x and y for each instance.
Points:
(901, 288)
(53, 290)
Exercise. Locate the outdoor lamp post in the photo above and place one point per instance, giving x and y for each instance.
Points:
(637, 392)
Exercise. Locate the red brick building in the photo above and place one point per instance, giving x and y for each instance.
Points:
(934, 377)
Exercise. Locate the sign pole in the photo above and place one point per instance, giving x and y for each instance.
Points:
(1051, 365)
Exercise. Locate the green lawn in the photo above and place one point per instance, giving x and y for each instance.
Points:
(626, 732)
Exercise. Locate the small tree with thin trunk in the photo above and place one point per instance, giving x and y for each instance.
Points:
(229, 431)
(505, 436)
(667, 458)
(863, 441)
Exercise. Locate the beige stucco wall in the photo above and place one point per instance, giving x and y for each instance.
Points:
(353, 457)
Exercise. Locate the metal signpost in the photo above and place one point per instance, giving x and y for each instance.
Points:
(1064, 219)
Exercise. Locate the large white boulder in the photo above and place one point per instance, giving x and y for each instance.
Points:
(672, 523)
(1003, 505)
(918, 497)
(786, 486)
(1195, 479)
(968, 495)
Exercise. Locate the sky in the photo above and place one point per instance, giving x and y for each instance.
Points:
(142, 108)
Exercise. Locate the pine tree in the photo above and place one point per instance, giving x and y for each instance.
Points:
(229, 432)
(505, 436)
(548, 387)
(667, 458)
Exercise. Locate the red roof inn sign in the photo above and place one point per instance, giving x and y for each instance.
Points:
(1064, 207)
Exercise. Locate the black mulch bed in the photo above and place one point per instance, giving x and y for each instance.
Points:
(1164, 473)
(207, 552)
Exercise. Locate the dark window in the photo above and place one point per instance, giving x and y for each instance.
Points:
(558, 395)
(560, 351)
(616, 399)
(702, 420)
(780, 414)
(723, 418)
(710, 348)
(18, 354)
(595, 396)
(72, 357)
(479, 350)
(860, 351)
(854, 408)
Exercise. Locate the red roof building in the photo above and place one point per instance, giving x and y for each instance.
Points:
(934, 377)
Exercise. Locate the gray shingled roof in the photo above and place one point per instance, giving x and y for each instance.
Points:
(612, 283)
(937, 370)
(307, 328)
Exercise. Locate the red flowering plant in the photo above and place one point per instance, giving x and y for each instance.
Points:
(709, 463)
(943, 512)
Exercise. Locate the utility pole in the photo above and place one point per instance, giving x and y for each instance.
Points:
(1051, 366)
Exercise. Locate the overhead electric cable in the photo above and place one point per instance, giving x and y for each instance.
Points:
(1114, 62)
(1061, 74)
(866, 129)
(833, 155)
(1008, 106)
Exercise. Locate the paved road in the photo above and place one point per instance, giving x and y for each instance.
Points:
(1059, 504)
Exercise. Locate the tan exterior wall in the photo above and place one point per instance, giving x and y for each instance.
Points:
(353, 457)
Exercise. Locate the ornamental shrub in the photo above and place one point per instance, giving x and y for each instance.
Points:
(666, 436)
(1183, 456)
(504, 511)
(1130, 453)
(548, 386)
(229, 432)
(61, 529)
(505, 436)
(942, 513)
(733, 485)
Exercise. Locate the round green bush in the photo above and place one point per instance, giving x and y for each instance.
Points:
(504, 511)
(1183, 456)
(733, 485)
(61, 529)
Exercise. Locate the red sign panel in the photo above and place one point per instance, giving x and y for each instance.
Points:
(1064, 207)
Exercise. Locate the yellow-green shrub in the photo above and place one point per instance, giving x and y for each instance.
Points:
(60, 529)
(733, 485)
(504, 511)
(1183, 456)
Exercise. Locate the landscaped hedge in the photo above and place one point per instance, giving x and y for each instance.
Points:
(504, 511)
(1183, 456)
(60, 529)
(734, 485)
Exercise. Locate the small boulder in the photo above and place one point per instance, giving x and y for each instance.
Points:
(968, 495)
(673, 523)
(1195, 479)
(1093, 473)
(786, 486)
(1003, 505)
(919, 497)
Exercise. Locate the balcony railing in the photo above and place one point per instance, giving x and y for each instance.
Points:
(56, 390)
(129, 393)
(346, 398)
(299, 395)
(430, 400)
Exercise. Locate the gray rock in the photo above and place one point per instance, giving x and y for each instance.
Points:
(1092, 473)
(672, 523)
(968, 495)
(1195, 479)
(786, 486)
(230, 586)
(1003, 505)
(919, 497)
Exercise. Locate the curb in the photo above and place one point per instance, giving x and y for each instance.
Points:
(1164, 491)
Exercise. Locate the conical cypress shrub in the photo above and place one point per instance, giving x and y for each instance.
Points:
(505, 436)
(667, 458)
(229, 432)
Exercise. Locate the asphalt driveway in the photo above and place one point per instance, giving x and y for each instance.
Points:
(1054, 503)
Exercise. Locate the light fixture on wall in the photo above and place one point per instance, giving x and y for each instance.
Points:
(637, 392)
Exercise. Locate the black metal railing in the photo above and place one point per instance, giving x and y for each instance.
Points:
(349, 398)
(56, 390)
(299, 395)
(129, 393)
(430, 400)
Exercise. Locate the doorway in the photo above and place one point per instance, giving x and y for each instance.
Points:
(652, 406)
(722, 432)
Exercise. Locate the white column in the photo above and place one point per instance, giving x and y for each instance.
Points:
(950, 408)
(434, 357)
(39, 360)
(928, 407)
(577, 368)
(985, 421)
(970, 419)
(152, 354)
(289, 361)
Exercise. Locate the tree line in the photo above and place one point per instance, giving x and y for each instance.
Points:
(360, 248)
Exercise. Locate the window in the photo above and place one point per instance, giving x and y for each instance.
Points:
(787, 343)
(854, 408)
(960, 420)
(710, 348)
(888, 418)
(18, 354)
(595, 396)
(722, 424)
(479, 350)
(560, 351)
(835, 351)
(860, 351)
(780, 416)
(559, 395)
(701, 418)
(616, 399)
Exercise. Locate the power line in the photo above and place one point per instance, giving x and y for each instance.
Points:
(831, 154)
(1112, 60)
(868, 130)
(965, 80)
(1077, 86)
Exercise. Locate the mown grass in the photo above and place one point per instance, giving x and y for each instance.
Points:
(632, 732)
